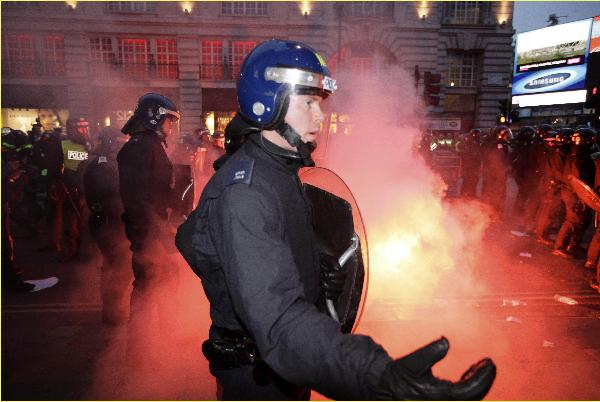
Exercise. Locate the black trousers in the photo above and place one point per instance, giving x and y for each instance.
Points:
(115, 275)
(240, 384)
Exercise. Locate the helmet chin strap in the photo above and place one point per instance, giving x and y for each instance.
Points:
(305, 149)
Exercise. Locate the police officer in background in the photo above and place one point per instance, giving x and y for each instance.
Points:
(251, 241)
(236, 132)
(469, 150)
(146, 187)
(66, 191)
(47, 156)
(101, 186)
(496, 167)
(12, 177)
(580, 165)
(524, 173)
(552, 206)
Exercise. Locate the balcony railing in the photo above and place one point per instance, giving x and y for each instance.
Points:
(135, 71)
(219, 72)
(32, 68)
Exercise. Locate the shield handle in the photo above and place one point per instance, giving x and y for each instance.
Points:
(342, 260)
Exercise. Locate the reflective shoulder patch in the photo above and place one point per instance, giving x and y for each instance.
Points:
(240, 171)
(102, 159)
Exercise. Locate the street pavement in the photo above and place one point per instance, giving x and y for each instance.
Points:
(55, 347)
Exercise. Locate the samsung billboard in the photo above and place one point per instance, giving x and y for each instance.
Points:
(551, 65)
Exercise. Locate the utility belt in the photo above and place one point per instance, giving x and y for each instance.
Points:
(234, 349)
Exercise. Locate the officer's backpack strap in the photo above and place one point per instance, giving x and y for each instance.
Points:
(240, 171)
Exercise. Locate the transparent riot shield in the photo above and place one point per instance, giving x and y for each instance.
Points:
(340, 230)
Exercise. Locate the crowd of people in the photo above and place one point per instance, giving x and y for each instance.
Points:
(61, 182)
(550, 166)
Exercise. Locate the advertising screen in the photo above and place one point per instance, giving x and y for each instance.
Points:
(595, 40)
(549, 60)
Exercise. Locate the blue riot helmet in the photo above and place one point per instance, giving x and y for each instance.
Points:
(151, 111)
(273, 71)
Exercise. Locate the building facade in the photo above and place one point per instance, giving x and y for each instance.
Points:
(94, 59)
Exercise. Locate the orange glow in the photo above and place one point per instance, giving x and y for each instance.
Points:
(417, 237)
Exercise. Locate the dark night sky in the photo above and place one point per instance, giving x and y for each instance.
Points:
(530, 15)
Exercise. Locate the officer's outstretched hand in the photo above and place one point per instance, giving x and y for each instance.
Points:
(410, 378)
(333, 277)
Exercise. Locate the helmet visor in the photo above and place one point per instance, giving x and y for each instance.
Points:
(168, 112)
(295, 76)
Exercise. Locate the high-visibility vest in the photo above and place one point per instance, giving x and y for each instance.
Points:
(73, 154)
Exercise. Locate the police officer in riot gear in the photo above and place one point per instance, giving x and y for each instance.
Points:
(496, 167)
(525, 174)
(146, 187)
(580, 165)
(251, 241)
(592, 261)
(469, 150)
(66, 191)
(101, 187)
(12, 177)
(552, 209)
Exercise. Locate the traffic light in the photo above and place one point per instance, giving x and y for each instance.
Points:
(503, 112)
(431, 91)
(503, 107)
(592, 99)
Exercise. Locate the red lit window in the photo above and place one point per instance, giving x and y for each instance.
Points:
(54, 55)
(166, 58)
(212, 60)
(18, 55)
(134, 56)
(237, 52)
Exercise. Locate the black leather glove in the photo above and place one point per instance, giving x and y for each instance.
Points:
(333, 277)
(410, 378)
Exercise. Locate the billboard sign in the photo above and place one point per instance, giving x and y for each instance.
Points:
(550, 60)
(595, 39)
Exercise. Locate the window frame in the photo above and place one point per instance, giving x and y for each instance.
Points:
(107, 52)
(53, 55)
(245, 8)
(369, 9)
(27, 55)
(131, 7)
(19, 61)
(225, 61)
(466, 12)
(211, 51)
(464, 75)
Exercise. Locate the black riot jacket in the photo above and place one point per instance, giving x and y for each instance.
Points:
(251, 242)
(145, 178)
(101, 186)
